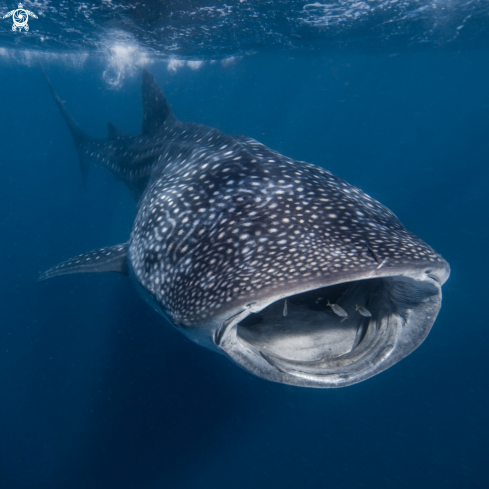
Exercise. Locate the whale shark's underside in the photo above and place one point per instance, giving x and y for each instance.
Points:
(245, 251)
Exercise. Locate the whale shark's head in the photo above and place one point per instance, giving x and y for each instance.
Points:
(247, 252)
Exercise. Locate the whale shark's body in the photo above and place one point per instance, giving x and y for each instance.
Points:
(228, 229)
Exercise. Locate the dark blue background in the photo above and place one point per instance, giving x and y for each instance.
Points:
(117, 398)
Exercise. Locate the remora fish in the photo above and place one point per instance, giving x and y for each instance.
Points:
(226, 229)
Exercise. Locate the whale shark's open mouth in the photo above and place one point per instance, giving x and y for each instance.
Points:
(301, 340)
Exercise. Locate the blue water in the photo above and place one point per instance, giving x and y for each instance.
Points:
(97, 390)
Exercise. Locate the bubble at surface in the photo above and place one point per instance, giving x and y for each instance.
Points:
(124, 58)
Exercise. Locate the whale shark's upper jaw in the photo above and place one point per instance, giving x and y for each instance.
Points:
(311, 346)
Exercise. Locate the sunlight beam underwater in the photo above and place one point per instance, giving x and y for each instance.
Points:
(289, 271)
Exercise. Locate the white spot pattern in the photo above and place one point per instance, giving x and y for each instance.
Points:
(233, 219)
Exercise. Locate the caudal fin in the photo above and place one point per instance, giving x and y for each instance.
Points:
(80, 137)
(125, 156)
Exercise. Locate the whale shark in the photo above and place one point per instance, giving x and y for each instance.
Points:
(247, 252)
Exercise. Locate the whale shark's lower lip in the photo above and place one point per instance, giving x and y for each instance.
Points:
(312, 346)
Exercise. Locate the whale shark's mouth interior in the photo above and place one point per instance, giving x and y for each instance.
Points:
(312, 342)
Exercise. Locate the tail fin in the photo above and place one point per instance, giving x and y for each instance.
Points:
(80, 137)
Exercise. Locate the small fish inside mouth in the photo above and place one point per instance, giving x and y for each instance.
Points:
(306, 326)
(286, 309)
(338, 310)
(363, 311)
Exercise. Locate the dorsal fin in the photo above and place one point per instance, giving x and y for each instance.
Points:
(156, 110)
(114, 132)
(110, 259)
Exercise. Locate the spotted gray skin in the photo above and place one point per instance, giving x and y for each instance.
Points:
(226, 229)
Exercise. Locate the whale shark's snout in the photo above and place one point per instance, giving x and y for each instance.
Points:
(292, 273)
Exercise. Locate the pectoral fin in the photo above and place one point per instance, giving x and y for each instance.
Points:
(111, 259)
